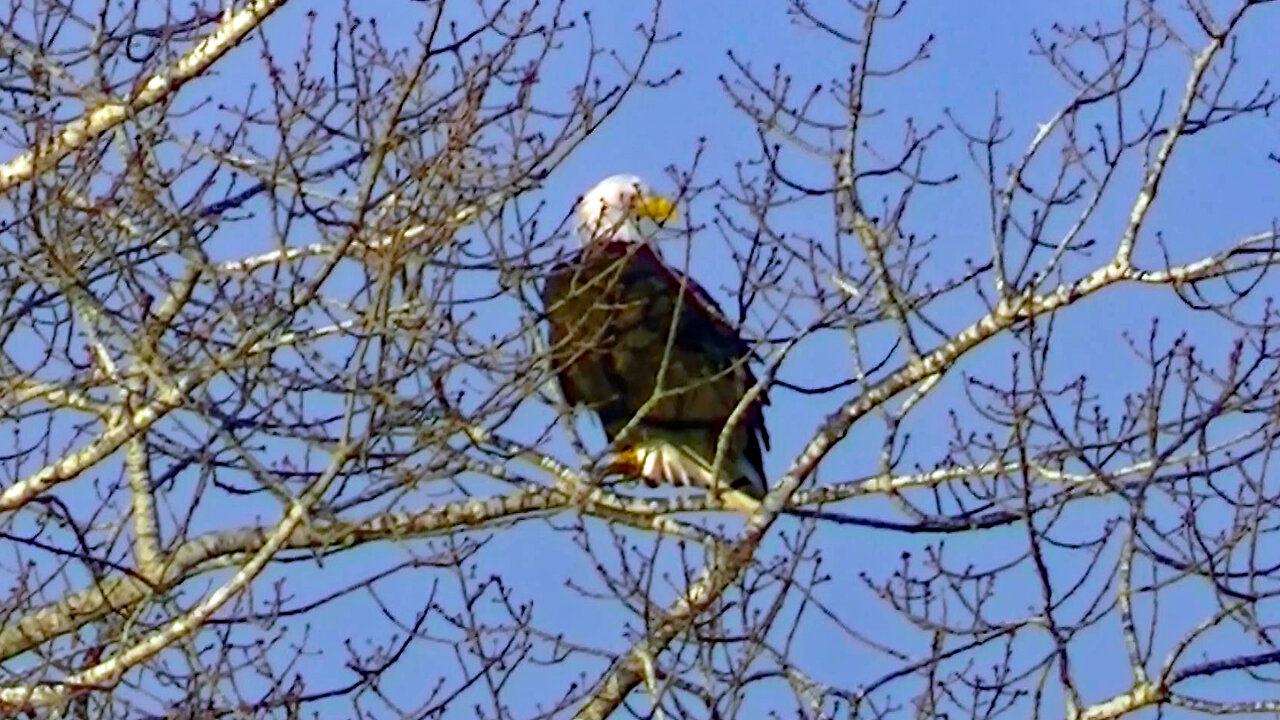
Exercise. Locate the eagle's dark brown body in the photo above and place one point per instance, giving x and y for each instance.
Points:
(611, 309)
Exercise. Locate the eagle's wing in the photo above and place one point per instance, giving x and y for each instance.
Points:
(610, 310)
(709, 357)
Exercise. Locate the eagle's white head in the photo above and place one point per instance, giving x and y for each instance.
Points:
(621, 208)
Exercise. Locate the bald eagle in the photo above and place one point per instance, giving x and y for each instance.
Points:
(646, 349)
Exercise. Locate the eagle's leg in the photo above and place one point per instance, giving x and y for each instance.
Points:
(629, 462)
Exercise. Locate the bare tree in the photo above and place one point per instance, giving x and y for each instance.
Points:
(282, 436)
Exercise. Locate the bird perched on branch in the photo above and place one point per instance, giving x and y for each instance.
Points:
(645, 348)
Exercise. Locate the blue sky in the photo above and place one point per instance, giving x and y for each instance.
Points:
(1220, 187)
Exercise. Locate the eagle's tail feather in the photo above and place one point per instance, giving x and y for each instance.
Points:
(662, 460)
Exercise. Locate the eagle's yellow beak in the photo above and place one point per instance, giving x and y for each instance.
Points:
(656, 208)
